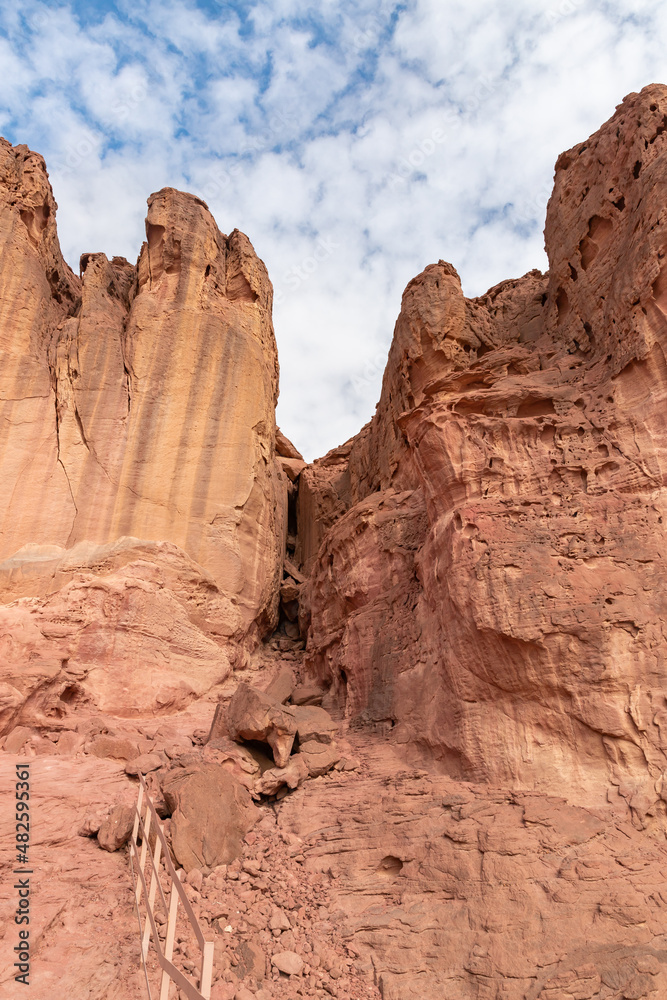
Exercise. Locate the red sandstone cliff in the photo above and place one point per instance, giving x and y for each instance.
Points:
(493, 583)
(141, 504)
(479, 580)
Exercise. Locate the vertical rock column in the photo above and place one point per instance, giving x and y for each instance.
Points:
(175, 404)
(37, 294)
(140, 402)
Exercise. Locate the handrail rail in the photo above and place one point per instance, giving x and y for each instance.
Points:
(161, 853)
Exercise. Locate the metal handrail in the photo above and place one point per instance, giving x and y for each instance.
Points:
(149, 930)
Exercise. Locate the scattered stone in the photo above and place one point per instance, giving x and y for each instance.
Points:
(143, 764)
(288, 962)
(252, 715)
(319, 757)
(282, 685)
(314, 723)
(116, 829)
(244, 994)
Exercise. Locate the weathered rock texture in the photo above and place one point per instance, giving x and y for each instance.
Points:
(494, 588)
(479, 572)
(141, 503)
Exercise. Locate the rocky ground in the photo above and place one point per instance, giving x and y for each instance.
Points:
(382, 880)
(84, 930)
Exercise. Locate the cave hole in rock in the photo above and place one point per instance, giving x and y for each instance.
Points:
(261, 753)
(660, 129)
(536, 408)
(70, 694)
(390, 867)
(154, 235)
(562, 304)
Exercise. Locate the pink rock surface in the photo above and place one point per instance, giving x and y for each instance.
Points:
(494, 589)
(141, 501)
(479, 573)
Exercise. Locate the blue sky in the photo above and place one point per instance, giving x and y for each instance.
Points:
(354, 142)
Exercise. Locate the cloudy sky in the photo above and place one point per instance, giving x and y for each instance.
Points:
(355, 142)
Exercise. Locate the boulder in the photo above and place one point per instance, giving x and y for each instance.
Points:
(292, 467)
(211, 814)
(291, 776)
(285, 448)
(91, 824)
(282, 685)
(253, 715)
(69, 742)
(251, 960)
(116, 829)
(17, 738)
(319, 757)
(307, 694)
(290, 590)
(114, 747)
(288, 962)
(144, 763)
(314, 723)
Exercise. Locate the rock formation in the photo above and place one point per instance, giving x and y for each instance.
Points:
(491, 583)
(443, 771)
(138, 478)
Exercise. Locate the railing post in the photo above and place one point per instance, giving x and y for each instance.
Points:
(151, 896)
(207, 970)
(149, 928)
(169, 941)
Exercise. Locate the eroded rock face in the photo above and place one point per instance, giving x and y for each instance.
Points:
(493, 588)
(448, 889)
(253, 715)
(141, 502)
(480, 573)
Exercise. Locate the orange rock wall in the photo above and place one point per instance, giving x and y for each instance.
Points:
(140, 401)
(142, 509)
(494, 594)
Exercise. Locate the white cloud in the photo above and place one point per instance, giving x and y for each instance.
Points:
(393, 133)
